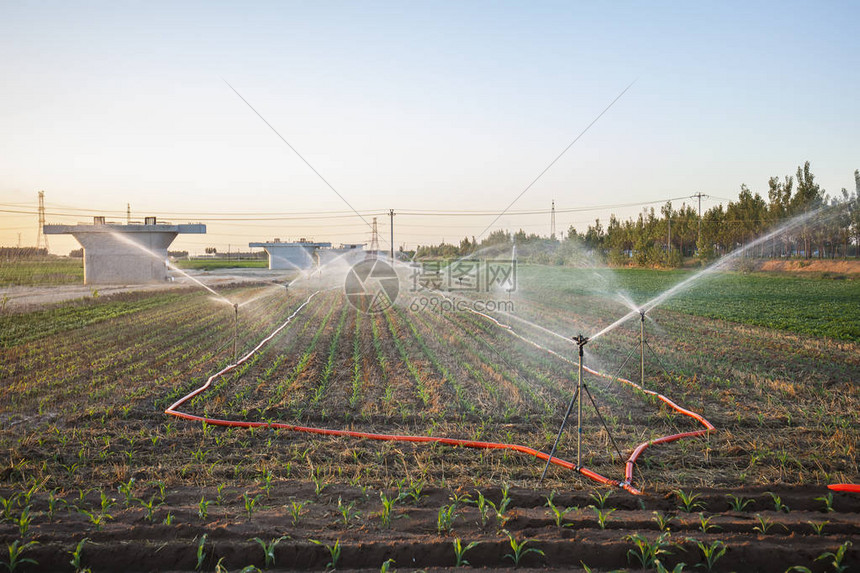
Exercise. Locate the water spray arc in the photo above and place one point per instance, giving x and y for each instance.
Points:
(235, 329)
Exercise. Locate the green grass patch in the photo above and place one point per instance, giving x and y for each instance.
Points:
(213, 264)
(815, 306)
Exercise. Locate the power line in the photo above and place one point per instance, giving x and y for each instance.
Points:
(559, 156)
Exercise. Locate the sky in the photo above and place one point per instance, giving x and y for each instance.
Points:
(412, 106)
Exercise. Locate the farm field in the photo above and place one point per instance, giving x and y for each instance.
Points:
(44, 270)
(88, 452)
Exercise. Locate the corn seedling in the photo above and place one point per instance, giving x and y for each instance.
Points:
(201, 554)
(97, 518)
(250, 504)
(520, 550)
(445, 518)
(739, 503)
(460, 499)
(600, 499)
(319, 483)
(169, 518)
(777, 503)
(837, 558)
(688, 501)
(460, 551)
(160, 485)
(484, 506)
(348, 511)
(77, 555)
(662, 521)
(705, 524)
(8, 504)
(15, 552)
(711, 553)
(387, 506)
(660, 568)
(127, 491)
(106, 502)
(333, 551)
(53, 503)
(557, 512)
(267, 482)
(415, 490)
(764, 524)
(24, 521)
(506, 500)
(150, 506)
(827, 500)
(296, 509)
(818, 526)
(386, 566)
(203, 507)
(269, 549)
(648, 552)
(603, 516)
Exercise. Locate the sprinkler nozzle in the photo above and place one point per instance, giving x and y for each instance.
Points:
(580, 340)
(642, 314)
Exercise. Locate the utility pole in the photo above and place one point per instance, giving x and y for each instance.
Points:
(41, 238)
(552, 222)
(128, 213)
(391, 215)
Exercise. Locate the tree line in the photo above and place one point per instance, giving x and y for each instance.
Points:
(668, 237)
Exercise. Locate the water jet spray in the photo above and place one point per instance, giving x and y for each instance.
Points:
(235, 329)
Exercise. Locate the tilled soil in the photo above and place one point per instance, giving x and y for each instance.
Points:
(129, 541)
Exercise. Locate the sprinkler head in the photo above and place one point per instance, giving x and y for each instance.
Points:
(580, 340)
(642, 315)
(236, 307)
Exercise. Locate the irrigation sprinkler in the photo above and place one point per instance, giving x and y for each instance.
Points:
(642, 348)
(577, 398)
(580, 342)
(581, 389)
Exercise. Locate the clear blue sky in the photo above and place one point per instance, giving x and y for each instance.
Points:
(414, 105)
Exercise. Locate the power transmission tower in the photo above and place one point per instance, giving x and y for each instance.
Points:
(699, 196)
(391, 215)
(552, 222)
(374, 239)
(41, 238)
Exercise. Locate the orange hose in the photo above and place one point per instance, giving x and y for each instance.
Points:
(850, 487)
(173, 410)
